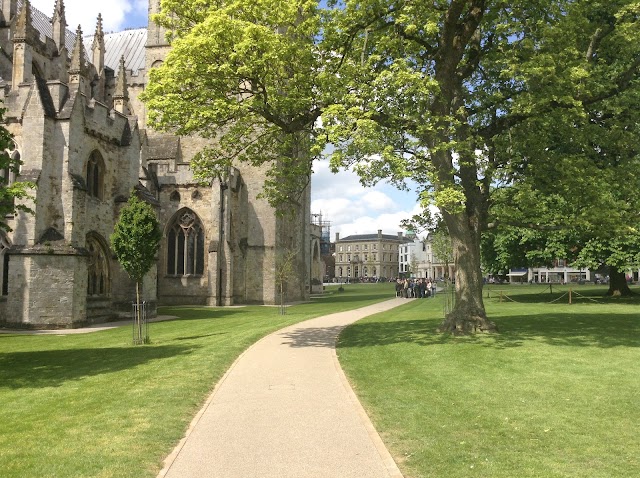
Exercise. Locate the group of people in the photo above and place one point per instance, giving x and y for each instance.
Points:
(419, 288)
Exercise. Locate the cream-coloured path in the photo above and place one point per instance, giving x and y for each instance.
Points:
(285, 409)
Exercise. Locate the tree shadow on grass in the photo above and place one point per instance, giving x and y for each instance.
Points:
(201, 336)
(199, 313)
(552, 329)
(53, 368)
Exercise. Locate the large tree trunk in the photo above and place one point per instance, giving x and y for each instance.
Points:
(457, 166)
(468, 315)
(618, 283)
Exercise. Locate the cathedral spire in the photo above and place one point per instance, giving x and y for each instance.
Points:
(22, 53)
(98, 46)
(23, 23)
(59, 25)
(121, 94)
(78, 67)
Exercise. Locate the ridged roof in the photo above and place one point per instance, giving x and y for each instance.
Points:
(370, 237)
(43, 24)
(163, 147)
(129, 43)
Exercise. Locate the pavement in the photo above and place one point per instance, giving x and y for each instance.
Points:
(82, 330)
(285, 409)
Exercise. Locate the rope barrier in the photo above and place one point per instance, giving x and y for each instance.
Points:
(588, 298)
(571, 293)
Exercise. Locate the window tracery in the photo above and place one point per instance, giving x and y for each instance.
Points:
(95, 175)
(4, 261)
(98, 270)
(185, 245)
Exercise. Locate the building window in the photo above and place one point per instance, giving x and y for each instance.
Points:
(375, 247)
(375, 256)
(4, 261)
(357, 247)
(340, 249)
(185, 245)
(348, 248)
(8, 174)
(95, 175)
(98, 270)
(348, 257)
(365, 247)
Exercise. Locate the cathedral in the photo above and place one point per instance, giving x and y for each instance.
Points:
(79, 130)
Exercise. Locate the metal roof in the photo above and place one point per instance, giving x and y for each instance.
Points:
(42, 23)
(129, 43)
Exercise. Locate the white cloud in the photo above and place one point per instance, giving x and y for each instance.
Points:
(378, 201)
(354, 209)
(116, 14)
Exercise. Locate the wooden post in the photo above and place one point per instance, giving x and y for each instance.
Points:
(569, 295)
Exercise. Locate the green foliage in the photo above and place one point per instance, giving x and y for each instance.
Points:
(570, 189)
(441, 247)
(18, 189)
(136, 238)
(455, 96)
(245, 75)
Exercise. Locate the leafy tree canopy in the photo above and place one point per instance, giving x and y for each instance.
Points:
(136, 237)
(11, 188)
(446, 93)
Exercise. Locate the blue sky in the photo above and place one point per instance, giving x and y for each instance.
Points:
(351, 208)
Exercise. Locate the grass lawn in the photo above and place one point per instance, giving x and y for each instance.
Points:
(555, 394)
(93, 405)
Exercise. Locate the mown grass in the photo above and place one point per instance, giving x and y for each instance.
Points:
(95, 406)
(555, 394)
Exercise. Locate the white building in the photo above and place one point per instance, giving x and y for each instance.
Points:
(416, 259)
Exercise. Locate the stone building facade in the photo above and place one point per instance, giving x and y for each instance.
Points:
(417, 259)
(367, 256)
(80, 132)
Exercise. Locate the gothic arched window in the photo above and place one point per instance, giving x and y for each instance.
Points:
(95, 175)
(98, 270)
(10, 172)
(185, 245)
(4, 261)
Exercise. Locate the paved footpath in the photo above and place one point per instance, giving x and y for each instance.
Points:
(285, 409)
